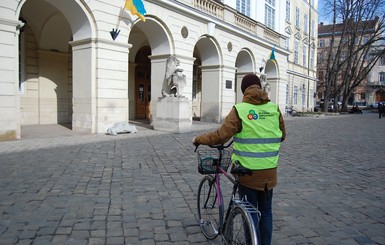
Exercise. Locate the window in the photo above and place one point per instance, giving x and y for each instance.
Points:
(287, 94)
(297, 17)
(382, 78)
(312, 28)
(311, 58)
(296, 51)
(288, 10)
(270, 14)
(362, 95)
(305, 23)
(295, 95)
(321, 43)
(287, 41)
(304, 56)
(382, 60)
(243, 6)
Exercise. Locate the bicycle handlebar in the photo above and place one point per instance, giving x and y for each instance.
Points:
(219, 147)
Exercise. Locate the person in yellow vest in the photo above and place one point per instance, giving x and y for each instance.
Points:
(258, 128)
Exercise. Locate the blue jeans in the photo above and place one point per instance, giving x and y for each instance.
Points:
(263, 202)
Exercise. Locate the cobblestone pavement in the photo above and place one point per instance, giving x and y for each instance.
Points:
(141, 188)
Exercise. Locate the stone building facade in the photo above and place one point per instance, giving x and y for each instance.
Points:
(61, 63)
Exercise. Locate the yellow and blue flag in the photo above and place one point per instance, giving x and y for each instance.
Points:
(136, 7)
(272, 55)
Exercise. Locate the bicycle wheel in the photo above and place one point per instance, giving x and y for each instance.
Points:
(240, 228)
(210, 214)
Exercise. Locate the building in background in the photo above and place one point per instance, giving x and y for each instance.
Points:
(92, 64)
(301, 28)
(375, 88)
(370, 89)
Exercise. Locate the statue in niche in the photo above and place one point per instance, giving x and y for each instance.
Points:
(265, 84)
(174, 80)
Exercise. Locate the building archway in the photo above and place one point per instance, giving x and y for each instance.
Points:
(197, 86)
(271, 80)
(151, 39)
(208, 54)
(380, 95)
(245, 65)
(143, 83)
(45, 71)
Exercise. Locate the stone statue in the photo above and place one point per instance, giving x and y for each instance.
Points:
(174, 80)
(265, 84)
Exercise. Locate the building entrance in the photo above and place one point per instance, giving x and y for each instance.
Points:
(143, 84)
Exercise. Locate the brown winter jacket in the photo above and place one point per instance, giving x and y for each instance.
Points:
(232, 125)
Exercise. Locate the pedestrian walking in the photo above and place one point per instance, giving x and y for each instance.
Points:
(258, 129)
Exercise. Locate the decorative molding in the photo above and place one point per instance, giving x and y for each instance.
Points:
(184, 32)
(288, 30)
(229, 46)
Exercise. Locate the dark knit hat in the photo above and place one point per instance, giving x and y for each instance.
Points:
(248, 80)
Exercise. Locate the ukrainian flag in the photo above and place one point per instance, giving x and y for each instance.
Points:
(136, 7)
(272, 55)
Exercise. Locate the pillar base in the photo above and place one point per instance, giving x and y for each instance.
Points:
(173, 114)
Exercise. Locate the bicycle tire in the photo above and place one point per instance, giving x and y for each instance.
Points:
(240, 228)
(210, 215)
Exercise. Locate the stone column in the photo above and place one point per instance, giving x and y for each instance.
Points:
(111, 83)
(84, 85)
(228, 90)
(211, 92)
(158, 71)
(9, 80)
(173, 115)
(100, 84)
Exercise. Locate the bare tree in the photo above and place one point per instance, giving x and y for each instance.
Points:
(356, 44)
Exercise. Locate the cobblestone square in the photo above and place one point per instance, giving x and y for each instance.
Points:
(141, 188)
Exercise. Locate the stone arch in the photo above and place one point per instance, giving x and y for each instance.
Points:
(208, 52)
(272, 83)
(76, 12)
(380, 95)
(54, 25)
(245, 63)
(155, 34)
(152, 32)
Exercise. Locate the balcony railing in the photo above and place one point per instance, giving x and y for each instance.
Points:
(229, 15)
(212, 8)
(220, 11)
(245, 23)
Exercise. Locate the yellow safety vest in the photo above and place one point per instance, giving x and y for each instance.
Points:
(257, 146)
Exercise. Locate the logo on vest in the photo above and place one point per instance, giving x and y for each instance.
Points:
(252, 115)
(260, 115)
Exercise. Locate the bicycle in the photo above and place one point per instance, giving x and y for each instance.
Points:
(237, 226)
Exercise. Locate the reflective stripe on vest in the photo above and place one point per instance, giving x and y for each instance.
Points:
(257, 145)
